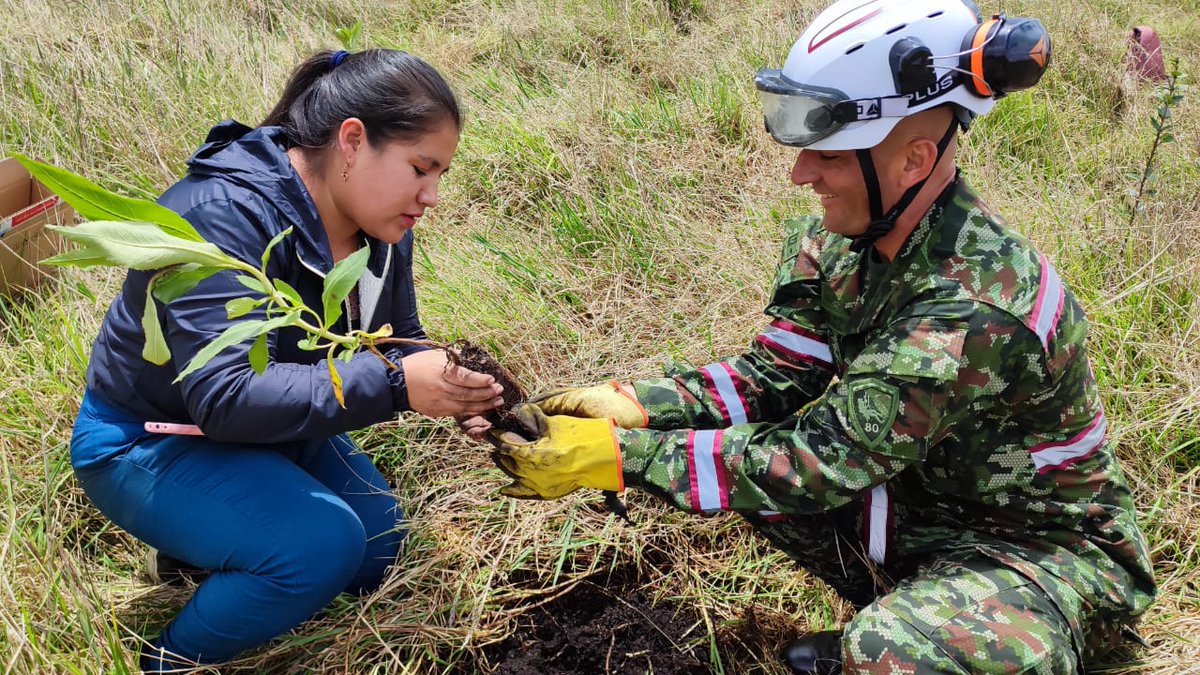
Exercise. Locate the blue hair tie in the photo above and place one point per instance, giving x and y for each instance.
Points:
(337, 57)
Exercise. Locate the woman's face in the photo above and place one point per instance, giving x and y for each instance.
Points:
(388, 188)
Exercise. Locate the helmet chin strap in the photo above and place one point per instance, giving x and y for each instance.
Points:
(882, 223)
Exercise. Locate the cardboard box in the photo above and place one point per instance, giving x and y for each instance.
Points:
(26, 207)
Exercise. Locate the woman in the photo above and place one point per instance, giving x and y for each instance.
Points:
(255, 478)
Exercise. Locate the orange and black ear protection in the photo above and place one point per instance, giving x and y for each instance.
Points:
(1001, 55)
(1004, 55)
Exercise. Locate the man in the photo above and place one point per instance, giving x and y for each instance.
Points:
(918, 426)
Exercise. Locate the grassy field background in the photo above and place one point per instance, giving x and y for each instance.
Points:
(614, 205)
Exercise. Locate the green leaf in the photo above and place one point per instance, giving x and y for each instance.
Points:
(239, 307)
(340, 281)
(155, 349)
(173, 283)
(347, 355)
(309, 344)
(1167, 138)
(350, 36)
(137, 245)
(291, 293)
(236, 334)
(76, 258)
(253, 284)
(258, 354)
(270, 245)
(85, 291)
(95, 203)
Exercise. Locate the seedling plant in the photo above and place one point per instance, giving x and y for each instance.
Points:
(138, 234)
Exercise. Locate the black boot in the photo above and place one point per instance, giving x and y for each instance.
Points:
(817, 653)
(163, 569)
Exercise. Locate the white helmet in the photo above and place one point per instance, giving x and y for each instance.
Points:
(862, 65)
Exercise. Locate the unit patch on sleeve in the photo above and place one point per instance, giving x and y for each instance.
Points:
(872, 410)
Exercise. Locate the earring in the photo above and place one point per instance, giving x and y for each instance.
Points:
(346, 172)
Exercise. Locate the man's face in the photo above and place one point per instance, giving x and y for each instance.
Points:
(837, 179)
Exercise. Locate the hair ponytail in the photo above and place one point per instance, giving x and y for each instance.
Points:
(395, 94)
(298, 83)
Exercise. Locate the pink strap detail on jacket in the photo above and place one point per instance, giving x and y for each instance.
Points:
(1049, 305)
(797, 343)
(1055, 456)
(709, 484)
(726, 387)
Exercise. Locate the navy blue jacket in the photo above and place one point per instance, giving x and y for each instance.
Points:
(240, 191)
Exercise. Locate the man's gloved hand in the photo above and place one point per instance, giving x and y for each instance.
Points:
(572, 452)
(609, 399)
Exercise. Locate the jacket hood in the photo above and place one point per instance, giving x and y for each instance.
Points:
(257, 160)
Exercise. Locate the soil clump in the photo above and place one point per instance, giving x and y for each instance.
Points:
(478, 359)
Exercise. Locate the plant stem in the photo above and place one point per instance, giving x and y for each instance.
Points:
(282, 300)
(451, 352)
(354, 338)
(1166, 99)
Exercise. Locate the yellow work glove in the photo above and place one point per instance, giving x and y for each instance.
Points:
(573, 452)
(600, 401)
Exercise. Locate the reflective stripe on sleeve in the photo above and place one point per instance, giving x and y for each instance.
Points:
(706, 471)
(877, 525)
(797, 343)
(1048, 307)
(723, 386)
(1054, 456)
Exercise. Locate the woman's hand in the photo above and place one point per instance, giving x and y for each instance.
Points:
(474, 426)
(438, 390)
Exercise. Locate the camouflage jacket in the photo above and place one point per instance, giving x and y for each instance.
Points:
(962, 411)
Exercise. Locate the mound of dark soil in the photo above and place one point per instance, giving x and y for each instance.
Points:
(601, 630)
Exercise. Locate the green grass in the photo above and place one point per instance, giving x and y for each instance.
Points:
(614, 206)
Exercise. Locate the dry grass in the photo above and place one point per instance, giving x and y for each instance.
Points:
(614, 205)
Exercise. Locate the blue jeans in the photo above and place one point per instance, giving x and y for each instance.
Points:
(284, 528)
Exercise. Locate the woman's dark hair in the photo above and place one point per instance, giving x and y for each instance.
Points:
(395, 94)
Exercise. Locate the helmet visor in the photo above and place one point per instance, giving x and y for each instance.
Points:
(796, 114)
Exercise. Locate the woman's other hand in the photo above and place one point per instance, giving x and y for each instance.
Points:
(438, 390)
(474, 426)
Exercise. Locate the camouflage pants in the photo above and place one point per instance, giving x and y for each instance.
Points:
(962, 612)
